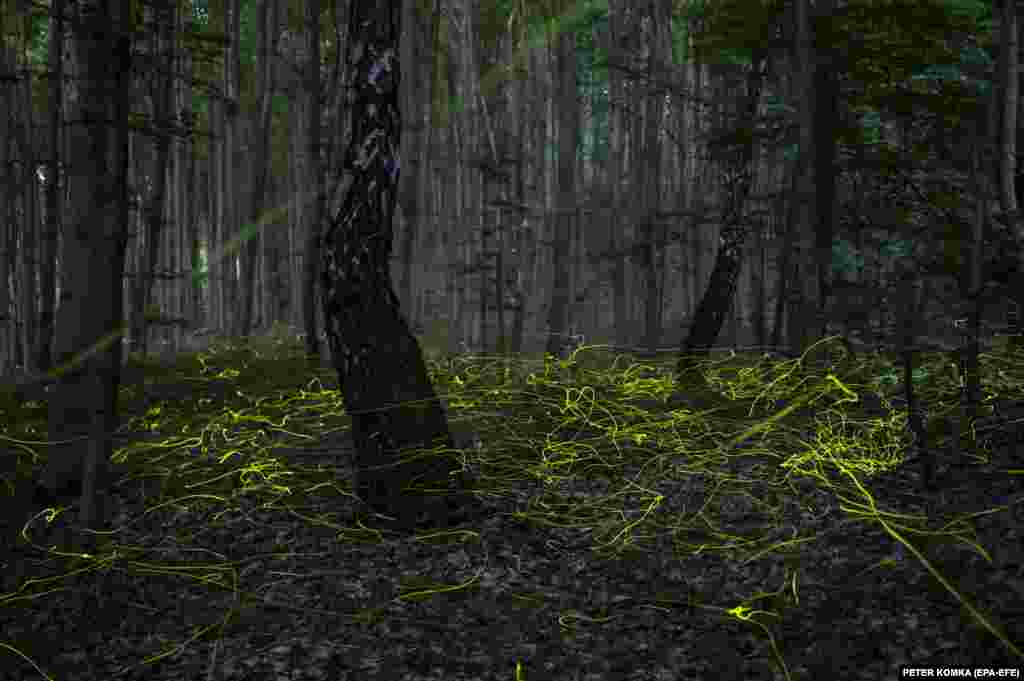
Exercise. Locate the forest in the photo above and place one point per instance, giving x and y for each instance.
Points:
(529, 339)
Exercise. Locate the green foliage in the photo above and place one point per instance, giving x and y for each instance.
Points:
(280, 104)
(732, 28)
(201, 12)
(497, 19)
(846, 259)
(895, 248)
(248, 29)
(12, 32)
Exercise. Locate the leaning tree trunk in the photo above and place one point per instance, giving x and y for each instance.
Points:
(381, 372)
(737, 179)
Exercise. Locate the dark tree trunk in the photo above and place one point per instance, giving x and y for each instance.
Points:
(48, 267)
(381, 372)
(82, 409)
(162, 94)
(718, 298)
(312, 244)
(564, 220)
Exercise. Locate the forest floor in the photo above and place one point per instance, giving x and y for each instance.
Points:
(629, 533)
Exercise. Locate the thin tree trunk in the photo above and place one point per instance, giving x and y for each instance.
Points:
(1010, 28)
(48, 266)
(803, 317)
(315, 181)
(8, 333)
(408, 196)
(156, 206)
(568, 124)
(659, 57)
(215, 264)
(268, 44)
(783, 308)
(228, 255)
(30, 203)
(825, 121)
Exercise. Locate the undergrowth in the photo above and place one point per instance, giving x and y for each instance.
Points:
(228, 427)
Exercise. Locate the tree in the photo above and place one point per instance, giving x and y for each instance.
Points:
(737, 178)
(315, 179)
(268, 31)
(83, 404)
(1010, 30)
(568, 124)
(228, 174)
(381, 371)
(49, 261)
(162, 95)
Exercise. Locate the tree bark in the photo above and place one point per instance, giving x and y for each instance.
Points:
(806, 302)
(83, 403)
(381, 372)
(156, 213)
(316, 211)
(825, 121)
(648, 169)
(229, 172)
(617, 267)
(8, 335)
(48, 266)
(1009, 73)
(268, 32)
(564, 219)
(737, 178)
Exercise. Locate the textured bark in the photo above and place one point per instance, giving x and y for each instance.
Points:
(254, 242)
(737, 178)
(48, 265)
(83, 403)
(311, 242)
(1010, 30)
(622, 35)
(381, 372)
(230, 174)
(416, 99)
(8, 338)
(648, 168)
(807, 295)
(568, 123)
(161, 95)
(826, 120)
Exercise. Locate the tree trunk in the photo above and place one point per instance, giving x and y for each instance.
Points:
(969, 350)
(83, 404)
(48, 266)
(156, 206)
(825, 121)
(30, 204)
(383, 377)
(616, 165)
(568, 124)
(412, 103)
(311, 242)
(268, 31)
(1009, 73)
(737, 178)
(649, 168)
(807, 303)
(8, 336)
(229, 171)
